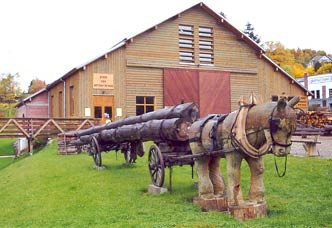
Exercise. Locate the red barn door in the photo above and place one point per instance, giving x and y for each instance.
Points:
(214, 92)
(180, 86)
(210, 90)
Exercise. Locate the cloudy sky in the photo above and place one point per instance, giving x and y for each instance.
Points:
(46, 39)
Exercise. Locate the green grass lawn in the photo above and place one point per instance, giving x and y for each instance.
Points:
(50, 190)
(6, 146)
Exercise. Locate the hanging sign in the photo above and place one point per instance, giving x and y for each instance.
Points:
(103, 81)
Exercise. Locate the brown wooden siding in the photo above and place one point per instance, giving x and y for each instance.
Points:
(242, 85)
(55, 102)
(74, 83)
(271, 82)
(113, 64)
(143, 82)
(159, 48)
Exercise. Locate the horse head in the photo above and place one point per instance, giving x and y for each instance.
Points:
(282, 123)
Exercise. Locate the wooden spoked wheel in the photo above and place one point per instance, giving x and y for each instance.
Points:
(156, 166)
(95, 151)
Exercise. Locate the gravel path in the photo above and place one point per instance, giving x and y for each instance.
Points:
(324, 149)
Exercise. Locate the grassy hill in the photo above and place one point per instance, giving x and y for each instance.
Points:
(50, 190)
(6, 146)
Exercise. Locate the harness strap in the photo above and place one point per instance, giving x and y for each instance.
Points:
(239, 137)
(213, 133)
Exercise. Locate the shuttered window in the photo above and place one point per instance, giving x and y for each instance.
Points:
(205, 45)
(186, 44)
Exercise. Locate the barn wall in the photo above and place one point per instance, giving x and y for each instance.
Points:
(54, 103)
(143, 82)
(113, 64)
(159, 48)
(36, 107)
(74, 81)
(273, 82)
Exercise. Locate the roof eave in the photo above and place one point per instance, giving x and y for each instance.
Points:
(286, 74)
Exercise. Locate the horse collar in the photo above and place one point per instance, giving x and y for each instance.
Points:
(239, 137)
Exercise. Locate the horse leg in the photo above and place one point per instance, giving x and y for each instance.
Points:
(256, 192)
(215, 176)
(205, 187)
(235, 197)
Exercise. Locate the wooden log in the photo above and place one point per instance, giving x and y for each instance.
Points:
(167, 129)
(214, 204)
(186, 111)
(248, 211)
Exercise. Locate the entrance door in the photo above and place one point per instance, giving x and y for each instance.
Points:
(210, 90)
(103, 106)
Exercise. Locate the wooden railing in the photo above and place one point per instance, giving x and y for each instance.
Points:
(32, 128)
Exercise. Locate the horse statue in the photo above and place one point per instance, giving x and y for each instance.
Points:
(253, 131)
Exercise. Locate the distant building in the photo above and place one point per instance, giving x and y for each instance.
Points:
(321, 88)
(36, 105)
(320, 59)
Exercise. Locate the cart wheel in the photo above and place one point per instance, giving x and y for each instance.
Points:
(156, 166)
(95, 151)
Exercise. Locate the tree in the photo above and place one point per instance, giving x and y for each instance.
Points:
(317, 66)
(10, 91)
(325, 69)
(249, 31)
(223, 14)
(36, 85)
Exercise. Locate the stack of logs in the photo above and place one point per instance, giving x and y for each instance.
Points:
(168, 124)
(65, 147)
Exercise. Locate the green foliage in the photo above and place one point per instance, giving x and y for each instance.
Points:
(7, 109)
(36, 85)
(6, 146)
(10, 92)
(49, 190)
(325, 69)
(317, 66)
(249, 31)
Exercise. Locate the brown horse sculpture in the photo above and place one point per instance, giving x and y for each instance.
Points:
(253, 130)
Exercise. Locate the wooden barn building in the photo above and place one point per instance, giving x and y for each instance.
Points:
(195, 55)
(35, 105)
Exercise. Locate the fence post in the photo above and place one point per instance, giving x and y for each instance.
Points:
(30, 146)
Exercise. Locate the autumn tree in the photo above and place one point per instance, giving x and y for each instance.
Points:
(10, 93)
(36, 85)
(279, 54)
(325, 69)
(249, 31)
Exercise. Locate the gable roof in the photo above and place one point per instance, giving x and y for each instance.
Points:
(30, 97)
(220, 20)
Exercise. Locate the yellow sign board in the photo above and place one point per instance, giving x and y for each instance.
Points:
(303, 104)
(103, 81)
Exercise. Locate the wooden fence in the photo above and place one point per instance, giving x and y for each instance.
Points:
(32, 128)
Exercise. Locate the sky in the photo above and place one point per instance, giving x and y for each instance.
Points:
(45, 39)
